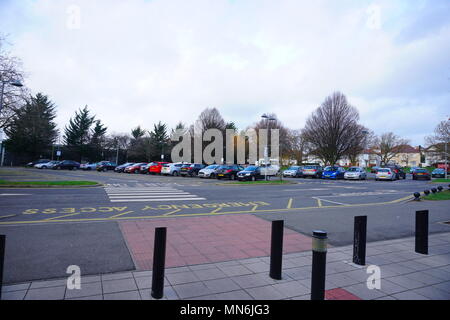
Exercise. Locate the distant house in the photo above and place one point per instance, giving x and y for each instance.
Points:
(407, 156)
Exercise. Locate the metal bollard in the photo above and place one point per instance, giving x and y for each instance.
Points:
(359, 240)
(159, 260)
(2, 260)
(319, 260)
(276, 249)
(422, 232)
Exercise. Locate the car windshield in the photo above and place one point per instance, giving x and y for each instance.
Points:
(212, 167)
(384, 170)
(293, 168)
(354, 169)
(421, 170)
(331, 168)
(311, 167)
(439, 170)
(251, 168)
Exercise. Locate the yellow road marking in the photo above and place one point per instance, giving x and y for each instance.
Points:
(319, 202)
(120, 214)
(11, 215)
(67, 215)
(168, 213)
(289, 205)
(253, 210)
(216, 210)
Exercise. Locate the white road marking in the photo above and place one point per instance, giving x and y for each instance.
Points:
(151, 193)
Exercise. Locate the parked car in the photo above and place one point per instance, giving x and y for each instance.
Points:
(88, 166)
(251, 173)
(399, 172)
(357, 173)
(294, 172)
(333, 172)
(67, 164)
(313, 171)
(191, 170)
(122, 167)
(134, 168)
(385, 174)
(32, 163)
(106, 165)
(412, 169)
(144, 168)
(421, 174)
(229, 171)
(155, 167)
(438, 173)
(374, 169)
(172, 169)
(271, 168)
(46, 165)
(209, 171)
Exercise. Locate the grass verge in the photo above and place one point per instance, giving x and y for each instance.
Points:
(46, 183)
(443, 195)
(441, 180)
(261, 182)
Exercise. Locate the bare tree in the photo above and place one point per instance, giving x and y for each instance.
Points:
(210, 118)
(388, 145)
(363, 139)
(437, 142)
(13, 97)
(296, 147)
(284, 143)
(332, 130)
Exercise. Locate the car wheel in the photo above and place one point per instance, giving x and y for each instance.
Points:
(253, 178)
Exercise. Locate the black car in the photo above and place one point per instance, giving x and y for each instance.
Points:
(67, 164)
(105, 166)
(191, 169)
(32, 163)
(251, 173)
(228, 171)
(399, 172)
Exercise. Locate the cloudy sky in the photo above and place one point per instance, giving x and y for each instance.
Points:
(136, 62)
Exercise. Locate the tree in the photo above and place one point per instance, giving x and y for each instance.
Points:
(210, 118)
(97, 141)
(273, 124)
(332, 130)
(13, 97)
(32, 131)
(362, 141)
(160, 141)
(137, 132)
(388, 145)
(77, 134)
(436, 143)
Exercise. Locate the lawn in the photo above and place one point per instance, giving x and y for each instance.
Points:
(46, 183)
(262, 182)
(444, 195)
(441, 180)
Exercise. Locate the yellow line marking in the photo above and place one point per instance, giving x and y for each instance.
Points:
(254, 208)
(174, 211)
(216, 210)
(11, 215)
(67, 215)
(289, 205)
(120, 214)
(319, 202)
(207, 213)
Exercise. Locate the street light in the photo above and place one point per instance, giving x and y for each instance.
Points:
(266, 150)
(15, 84)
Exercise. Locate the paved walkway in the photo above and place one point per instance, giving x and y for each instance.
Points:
(405, 275)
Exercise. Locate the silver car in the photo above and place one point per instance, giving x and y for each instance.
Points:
(209, 171)
(172, 169)
(385, 174)
(355, 173)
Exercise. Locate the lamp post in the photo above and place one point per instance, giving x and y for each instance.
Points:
(15, 84)
(266, 149)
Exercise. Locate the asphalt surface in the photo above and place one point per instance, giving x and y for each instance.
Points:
(50, 229)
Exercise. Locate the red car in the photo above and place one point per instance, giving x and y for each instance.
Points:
(135, 168)
(155, 167)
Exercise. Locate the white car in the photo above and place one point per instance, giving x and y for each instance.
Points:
(355, 173)
(46, 165)
(385, 174)
(209, 171)
(172, 169)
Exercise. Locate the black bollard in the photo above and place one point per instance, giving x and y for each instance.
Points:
(359, 240)
(159, 261)
(422, 232)
(319, 261)
(2, 260)
(276, 249)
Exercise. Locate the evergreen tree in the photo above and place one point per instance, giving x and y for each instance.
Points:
(97, 142)
(159, 141)
(77, 134)
(32, 131)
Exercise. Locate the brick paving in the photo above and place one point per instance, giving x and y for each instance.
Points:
(198, 240)
(405, 275)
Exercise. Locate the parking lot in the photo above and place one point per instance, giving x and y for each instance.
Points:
(84, 225)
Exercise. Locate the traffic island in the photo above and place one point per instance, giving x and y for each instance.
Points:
(48, 184)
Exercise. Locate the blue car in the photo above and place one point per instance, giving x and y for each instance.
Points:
(333, 173)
